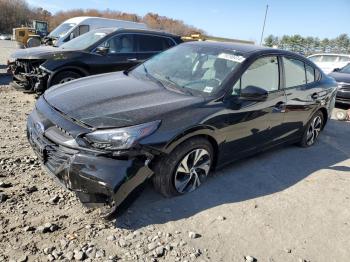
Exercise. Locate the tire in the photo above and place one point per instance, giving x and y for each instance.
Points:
(64, 77)
(341, 115)
(312, 130)
(33, 42)
(173, 171)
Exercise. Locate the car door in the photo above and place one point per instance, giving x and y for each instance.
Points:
(302, 92)
(120, 54)
(150, 45)
(253, 124)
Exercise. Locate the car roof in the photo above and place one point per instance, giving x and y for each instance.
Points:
(135, 30)
(79, 19)
(330, 54)
(238, 47)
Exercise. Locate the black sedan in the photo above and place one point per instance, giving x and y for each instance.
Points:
(98, 51)
(342, 76)
(176, 117)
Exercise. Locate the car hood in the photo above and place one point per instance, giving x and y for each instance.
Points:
(43, 52)
(340, 77)
(115, 100)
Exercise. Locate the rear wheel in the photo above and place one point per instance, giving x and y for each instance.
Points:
(312, 130)
(184, 169)
(64, 77)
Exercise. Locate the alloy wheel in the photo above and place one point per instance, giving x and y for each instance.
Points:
(192, 170)
(314, 130)
(66, 79)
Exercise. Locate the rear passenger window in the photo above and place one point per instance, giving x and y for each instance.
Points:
(262, 73)
(294, 72)
(310, 74)
(148, 43)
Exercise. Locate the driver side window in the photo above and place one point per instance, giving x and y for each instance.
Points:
(120, 44)
(263, 73)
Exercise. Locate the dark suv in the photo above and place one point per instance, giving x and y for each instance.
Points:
(98, 51)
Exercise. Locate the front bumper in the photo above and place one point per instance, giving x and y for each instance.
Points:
(26, 74)
(96, 178)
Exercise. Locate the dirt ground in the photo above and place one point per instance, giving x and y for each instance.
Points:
(288, 204)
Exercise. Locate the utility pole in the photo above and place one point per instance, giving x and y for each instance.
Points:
(263, 29)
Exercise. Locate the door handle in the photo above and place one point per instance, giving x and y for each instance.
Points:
(132, 59)
(279, 107)
(314, 96)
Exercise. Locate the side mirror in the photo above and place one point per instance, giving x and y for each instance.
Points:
(253, 93)
(336, 69)
(102, 50)
(71, 36)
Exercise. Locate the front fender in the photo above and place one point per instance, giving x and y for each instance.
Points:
(202, 130)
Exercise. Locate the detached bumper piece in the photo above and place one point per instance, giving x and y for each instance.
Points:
(98, 180)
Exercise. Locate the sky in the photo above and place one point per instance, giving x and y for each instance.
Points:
(240, 19)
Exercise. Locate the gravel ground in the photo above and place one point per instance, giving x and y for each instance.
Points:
(289, 204)
(6, 47)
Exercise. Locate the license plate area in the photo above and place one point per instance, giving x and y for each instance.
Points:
(39, 148)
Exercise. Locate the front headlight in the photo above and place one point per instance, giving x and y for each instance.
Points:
(11, 60)
(121, 138)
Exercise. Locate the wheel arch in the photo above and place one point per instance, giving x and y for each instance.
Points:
(325, 115)
(76, 69)
(197, 132)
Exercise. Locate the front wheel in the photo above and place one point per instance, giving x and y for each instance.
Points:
(64, 77)
(184, 169)
(312, 130)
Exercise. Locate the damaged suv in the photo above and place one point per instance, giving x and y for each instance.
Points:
(98, 51)
(176, 117)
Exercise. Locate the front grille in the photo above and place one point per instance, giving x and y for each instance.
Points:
(46, 143)
(56, 159)
(57, 135)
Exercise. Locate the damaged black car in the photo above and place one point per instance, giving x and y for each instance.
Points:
(98, 51)
(175, 118)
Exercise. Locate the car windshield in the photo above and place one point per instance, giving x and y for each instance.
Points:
(316, 58)
(85, 40)
(346, 69)
(329, 58)
(61, 30)
(191, 68)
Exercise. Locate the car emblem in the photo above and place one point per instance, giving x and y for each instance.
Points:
(39, 127)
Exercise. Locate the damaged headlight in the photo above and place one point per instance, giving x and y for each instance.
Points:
(121, 138)
(11, 60)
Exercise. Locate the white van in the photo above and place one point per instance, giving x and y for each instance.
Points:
(329, 62)
(77, 26)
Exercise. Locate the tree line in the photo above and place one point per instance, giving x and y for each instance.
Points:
(310, 45)
(17, 13)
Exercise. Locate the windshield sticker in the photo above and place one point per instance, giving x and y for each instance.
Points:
(208, 89)
(230, 57)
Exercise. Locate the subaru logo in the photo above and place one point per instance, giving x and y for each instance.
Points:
(39, 127)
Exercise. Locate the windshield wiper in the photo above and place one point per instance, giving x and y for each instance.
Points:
(151, 76)
(182, 88)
